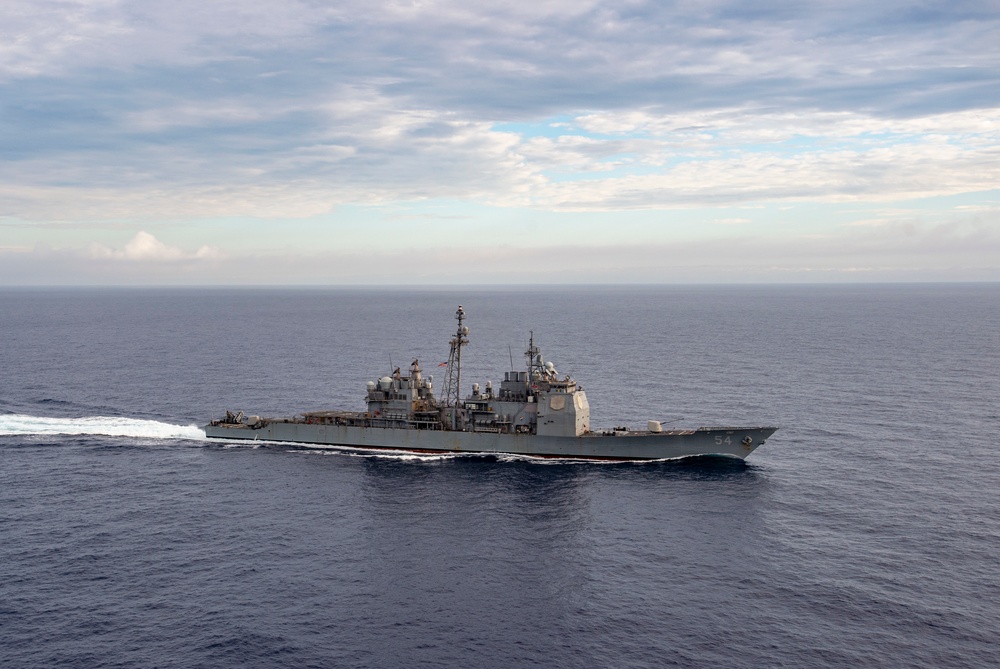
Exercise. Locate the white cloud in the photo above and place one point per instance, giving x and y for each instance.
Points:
(735, 126)
(144, 247)
(879, 174)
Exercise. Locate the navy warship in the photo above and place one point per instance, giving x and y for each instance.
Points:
(534, 413)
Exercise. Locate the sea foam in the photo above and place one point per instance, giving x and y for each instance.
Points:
(112, 426)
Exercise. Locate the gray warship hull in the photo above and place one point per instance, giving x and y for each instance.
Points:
(534, 412)
(734, 442)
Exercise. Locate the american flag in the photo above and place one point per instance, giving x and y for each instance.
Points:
(443, 364)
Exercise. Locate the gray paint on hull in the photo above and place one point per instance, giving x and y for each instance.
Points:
(627, 446)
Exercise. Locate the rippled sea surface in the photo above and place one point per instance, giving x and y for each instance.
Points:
(866, 532)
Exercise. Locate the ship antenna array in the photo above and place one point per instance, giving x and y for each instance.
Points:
(453, 382)
(532, 353)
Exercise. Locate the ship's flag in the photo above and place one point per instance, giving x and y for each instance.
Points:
(443, 364)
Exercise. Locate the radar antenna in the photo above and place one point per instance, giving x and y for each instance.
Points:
(533, 354)
(453, 382)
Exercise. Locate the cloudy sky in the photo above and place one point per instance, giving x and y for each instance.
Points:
(457, 141)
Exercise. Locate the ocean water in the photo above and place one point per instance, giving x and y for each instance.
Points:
(866, 532)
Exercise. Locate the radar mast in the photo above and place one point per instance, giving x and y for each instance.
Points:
(534, 356)
(453, 382)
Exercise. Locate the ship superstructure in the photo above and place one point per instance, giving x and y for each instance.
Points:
(534, 412)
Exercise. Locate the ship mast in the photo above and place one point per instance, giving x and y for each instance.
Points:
(534, 361)
(453, 382)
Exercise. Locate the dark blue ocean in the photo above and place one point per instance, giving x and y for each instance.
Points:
(865, 533)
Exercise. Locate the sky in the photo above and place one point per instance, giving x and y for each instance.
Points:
(458, 142)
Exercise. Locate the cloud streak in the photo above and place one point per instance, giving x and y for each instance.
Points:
(900, 249)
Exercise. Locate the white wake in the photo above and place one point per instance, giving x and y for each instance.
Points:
(110, 426)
